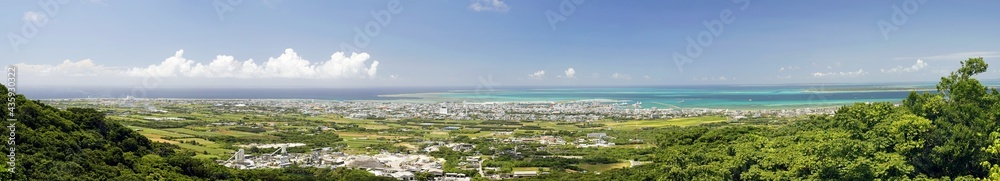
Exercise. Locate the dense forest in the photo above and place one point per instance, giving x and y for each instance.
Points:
(79, 144)
(950, 134)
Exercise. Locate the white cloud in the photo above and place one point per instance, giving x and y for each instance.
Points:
(170, 67)
(489, 5)
(84, 67)
(288, 65)
(537, 75)
(340, 66)
(860, 72)
(900, 69)
(35, 17)
(788, 68)
(570, 73)
(956, 56)
(373, 69)
(617, 75)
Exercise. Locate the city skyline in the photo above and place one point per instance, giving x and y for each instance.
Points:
(509, 43)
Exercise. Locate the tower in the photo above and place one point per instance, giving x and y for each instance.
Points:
(239, 156)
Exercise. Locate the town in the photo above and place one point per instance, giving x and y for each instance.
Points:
(415, 141)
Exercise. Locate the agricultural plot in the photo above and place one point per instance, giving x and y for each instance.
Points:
(193, 132)
(637, 124)
(203, 147)
(544, 169)
(603, 167)
(159, 135)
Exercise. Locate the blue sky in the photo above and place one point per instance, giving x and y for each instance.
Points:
(499, 42)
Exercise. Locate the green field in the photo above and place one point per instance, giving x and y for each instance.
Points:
(226, 131)
(213, 149)
(200, 149)
(530, 169)
(157, 132)
(663, 122)
(374, 132)
(193, 132)
(602, 167)
(480, 134)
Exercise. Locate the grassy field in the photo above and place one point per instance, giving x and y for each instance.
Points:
(357, 146)
(193, 132)
(226, 131)
(602, 167)
(200, 141)
(529, 169)
(480, 134)
(158, 135)
(213, 149)
(437, 134)
(201, 149)
(346, 135)
(554, 126)
(663, 122)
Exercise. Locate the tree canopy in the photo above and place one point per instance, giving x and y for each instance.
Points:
(950, 134)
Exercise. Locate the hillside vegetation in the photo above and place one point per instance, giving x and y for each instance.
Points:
(951, 134)
(79, 144)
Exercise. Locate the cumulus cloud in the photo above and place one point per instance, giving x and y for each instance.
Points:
(288, 65)
(900, 69)
(621, 76)
(170, 67)
(570, 73)
(373, 69)
(860, 72)
(537, 75)
(488, 5)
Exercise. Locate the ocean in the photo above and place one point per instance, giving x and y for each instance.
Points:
(715, 96)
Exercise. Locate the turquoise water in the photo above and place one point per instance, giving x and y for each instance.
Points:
(716, 97)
